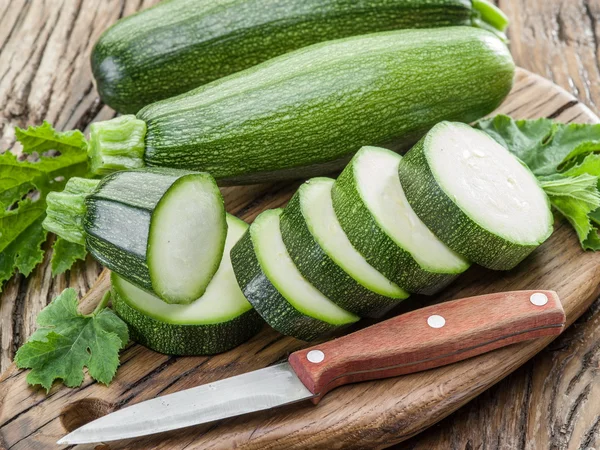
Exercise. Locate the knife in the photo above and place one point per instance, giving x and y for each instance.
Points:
(419, 340)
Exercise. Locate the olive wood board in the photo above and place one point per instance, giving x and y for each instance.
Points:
(374, 414)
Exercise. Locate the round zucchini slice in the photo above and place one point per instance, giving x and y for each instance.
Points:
(370, 204)
(323, 254)
(216, 322)
(476, 196)
(273, 284)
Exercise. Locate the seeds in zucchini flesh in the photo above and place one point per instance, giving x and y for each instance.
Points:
(326, 258)
(476, 196)
(277, 290)
(219, 320)
(370, 204)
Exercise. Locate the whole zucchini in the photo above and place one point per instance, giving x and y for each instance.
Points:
(182, 44)
(306, 112)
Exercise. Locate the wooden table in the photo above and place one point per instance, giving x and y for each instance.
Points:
(44, 74)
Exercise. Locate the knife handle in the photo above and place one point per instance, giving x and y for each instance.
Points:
(429, 337)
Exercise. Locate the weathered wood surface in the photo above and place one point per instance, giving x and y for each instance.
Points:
(364, 415)
(44, 74)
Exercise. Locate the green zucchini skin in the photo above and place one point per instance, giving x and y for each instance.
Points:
(182, 44)
(323, 273)
(184, 340)
(268, 302)
(118, 218)
(377, 247)
(306, 112)
(448, 221)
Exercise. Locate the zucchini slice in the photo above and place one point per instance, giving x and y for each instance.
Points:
(325, 257)
(186, 238)
(476, 196)
(218, 321)
(273, 285)
(370, 204)
(162, 229)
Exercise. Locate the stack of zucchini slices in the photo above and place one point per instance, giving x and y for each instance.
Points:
(190, 279)
(389, 225)
(166, 238)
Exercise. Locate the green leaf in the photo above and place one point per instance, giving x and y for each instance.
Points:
(565, 160)
(49, 159)
(24, 254)
(576, 197)
(65, 254)
(542, 144)
(67, 341)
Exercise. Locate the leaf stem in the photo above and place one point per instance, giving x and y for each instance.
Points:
(103, 303)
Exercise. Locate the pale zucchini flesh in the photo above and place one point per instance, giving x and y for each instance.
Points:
(370, 204)
(476, 196)
(185, 241)
(277, 290)
(323, 254)
(219, 320)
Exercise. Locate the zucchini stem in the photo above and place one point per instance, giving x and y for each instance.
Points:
(117, 144)
(489, 17)
(65, 210)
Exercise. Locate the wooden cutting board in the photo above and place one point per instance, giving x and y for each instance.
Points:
(367, 415)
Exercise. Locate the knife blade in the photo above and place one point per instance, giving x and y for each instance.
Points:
(419, 340)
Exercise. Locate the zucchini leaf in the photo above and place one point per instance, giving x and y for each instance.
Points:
(566, 160)
(67, 341)
(49, 159)
(65, 254)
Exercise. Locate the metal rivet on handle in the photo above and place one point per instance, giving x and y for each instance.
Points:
(436, 321)
(538, 299)
(315, 356)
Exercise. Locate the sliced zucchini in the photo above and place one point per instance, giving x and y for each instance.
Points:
(476, 196)
(273, 285)
(369, 202)
(162, 229)
(186, 238)
(323, 254)
(218, 321)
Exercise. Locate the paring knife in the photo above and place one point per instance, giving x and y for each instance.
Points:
(419, 340)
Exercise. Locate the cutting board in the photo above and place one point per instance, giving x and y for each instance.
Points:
(366, 415)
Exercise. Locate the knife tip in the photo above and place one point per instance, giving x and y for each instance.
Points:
(67, 440)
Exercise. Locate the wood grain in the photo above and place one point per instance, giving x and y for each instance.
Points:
(407, 343)
(364, 415)
(44, 74)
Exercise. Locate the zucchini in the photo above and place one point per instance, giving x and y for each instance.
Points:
(323, 254)
(370, 204)
(306, 112)
(476, 196)
(162, 229)
(182, 44)
(218, 321)
(277, 290)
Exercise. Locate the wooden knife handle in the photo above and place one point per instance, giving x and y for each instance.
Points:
(429, 337)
